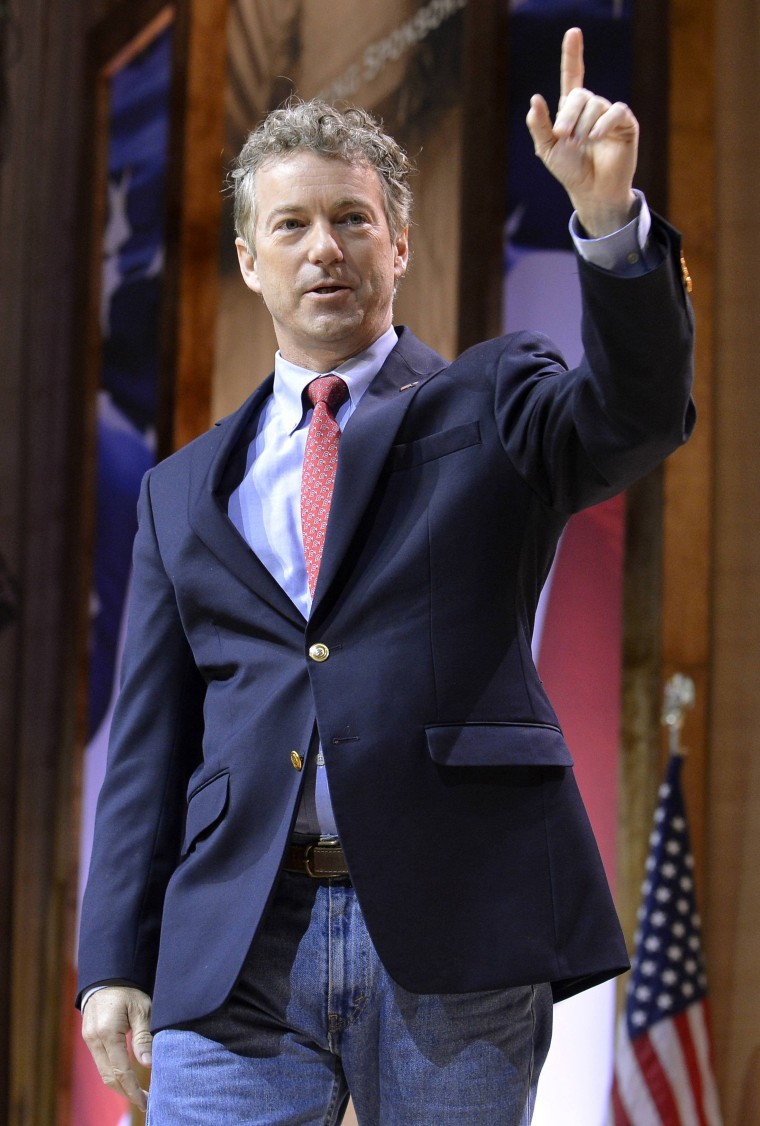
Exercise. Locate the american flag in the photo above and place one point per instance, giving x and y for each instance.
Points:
(663, 1057)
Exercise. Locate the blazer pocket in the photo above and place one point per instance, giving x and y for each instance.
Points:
(205, 809)
(408, 454)
(497, 744)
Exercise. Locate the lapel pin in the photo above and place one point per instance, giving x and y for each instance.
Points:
(686, 275)
(408, 385)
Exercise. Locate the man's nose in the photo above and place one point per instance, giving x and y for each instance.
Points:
(324, 244)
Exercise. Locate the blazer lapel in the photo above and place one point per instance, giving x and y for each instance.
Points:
(364, 448)
(366, 442)
(210, 491)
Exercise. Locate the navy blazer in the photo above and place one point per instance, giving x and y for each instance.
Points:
(452, 785)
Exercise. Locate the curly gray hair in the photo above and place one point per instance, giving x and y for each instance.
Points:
(315, 126)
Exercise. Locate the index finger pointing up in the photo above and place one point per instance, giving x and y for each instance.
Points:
(571, 70)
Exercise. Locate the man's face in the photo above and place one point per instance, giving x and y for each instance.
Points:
(325, 262)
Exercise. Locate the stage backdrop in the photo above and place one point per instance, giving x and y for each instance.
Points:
(137, 89)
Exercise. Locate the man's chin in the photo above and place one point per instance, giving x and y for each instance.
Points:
(328, 342)
(337, 330)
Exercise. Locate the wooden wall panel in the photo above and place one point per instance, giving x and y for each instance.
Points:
(37, 272)
(668, 589)
(640, 731)
(733, 919)
(195, 184)
(688, 481)
(711, 628)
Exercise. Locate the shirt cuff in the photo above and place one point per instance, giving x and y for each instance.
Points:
(89, 993)
(96, 986)
(626, 252)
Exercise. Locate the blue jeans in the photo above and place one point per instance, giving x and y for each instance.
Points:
(315, 1016)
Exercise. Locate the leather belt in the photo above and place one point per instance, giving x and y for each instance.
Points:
(319, 859)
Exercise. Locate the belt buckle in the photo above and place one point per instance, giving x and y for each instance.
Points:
(307, 857)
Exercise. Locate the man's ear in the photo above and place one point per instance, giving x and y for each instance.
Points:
(401, 247)
(247, 261)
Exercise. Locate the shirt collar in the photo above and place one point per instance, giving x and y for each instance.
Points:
(290, 380)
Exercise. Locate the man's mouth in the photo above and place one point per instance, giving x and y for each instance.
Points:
(324, 290)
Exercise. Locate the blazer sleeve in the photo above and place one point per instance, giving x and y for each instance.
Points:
(155, 744)
(580, 436)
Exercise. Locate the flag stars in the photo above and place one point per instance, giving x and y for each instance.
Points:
(652, 942)
(675, 953)
(673, 847)
(663, 895)
(665, 1001)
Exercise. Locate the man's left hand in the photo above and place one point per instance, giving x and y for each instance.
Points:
(591, 148)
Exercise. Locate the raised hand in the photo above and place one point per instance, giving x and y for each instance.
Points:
(592, 146)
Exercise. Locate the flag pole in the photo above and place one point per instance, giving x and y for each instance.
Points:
(678, 698)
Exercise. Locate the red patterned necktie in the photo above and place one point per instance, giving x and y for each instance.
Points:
(320, 464)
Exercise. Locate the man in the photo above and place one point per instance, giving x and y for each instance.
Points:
(336, 790)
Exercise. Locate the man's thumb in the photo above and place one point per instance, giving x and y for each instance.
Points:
(142, 1044)
(540, 126)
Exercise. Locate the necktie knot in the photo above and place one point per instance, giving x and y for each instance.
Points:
(328, 389)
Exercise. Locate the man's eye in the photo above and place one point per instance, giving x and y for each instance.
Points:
(290, 224)
(355, 219)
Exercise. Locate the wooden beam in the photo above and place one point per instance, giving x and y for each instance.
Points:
(195, 186)
(669, 537)
(688, 479)
(484, 171)
(642, 591)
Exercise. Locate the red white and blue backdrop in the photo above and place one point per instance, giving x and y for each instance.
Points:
(138, 92)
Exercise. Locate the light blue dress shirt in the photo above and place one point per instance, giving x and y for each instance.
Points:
(266, 510)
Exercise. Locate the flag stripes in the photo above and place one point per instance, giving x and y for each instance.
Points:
(665, 1077)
